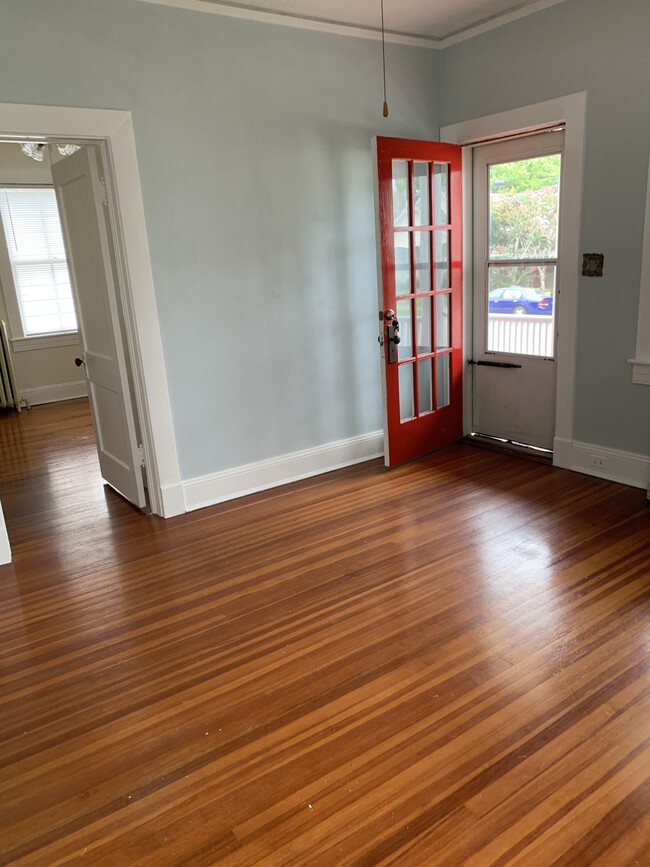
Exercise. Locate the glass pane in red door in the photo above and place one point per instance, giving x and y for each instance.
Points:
(402, 244)
(442, 321)
(406, 403)
(424, 324)
(425, 385)
(421, 194)
(441, 193)
(404, 317)
(400, 193)
(422, 241)
(442, 380)
(443, 277)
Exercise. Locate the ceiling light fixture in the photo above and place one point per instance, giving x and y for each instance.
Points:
(33, 149)
(383, 57)
(67, 150)
(36, 150)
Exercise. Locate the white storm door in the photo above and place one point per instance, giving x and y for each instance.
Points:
(81, 197)
(516, 295)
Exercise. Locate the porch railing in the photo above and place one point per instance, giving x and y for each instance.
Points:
(527, 335)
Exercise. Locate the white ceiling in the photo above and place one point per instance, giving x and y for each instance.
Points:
(431, 20)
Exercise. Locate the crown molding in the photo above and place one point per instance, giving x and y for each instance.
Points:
(260, 15)
(496, 21)
(305, 23)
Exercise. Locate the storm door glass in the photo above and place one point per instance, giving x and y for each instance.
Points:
(522, 251)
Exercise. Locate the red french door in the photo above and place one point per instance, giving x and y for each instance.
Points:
(421, 293)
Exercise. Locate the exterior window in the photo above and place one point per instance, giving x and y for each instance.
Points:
(37, 260)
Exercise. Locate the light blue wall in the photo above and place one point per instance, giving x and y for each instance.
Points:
(602, 47)
(254, 149)
(254, 146)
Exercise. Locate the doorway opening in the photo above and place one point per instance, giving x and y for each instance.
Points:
(60, 280)
(515, 288)
(111, 132)
(567, 111)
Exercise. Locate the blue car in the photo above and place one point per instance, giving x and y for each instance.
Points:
(520, 300)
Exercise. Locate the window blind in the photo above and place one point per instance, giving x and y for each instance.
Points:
(32, 227)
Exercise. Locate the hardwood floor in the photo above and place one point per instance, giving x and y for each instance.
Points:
(444, 664)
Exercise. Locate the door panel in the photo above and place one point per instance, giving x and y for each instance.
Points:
(80, 196)
(516, 300)
(419, 235)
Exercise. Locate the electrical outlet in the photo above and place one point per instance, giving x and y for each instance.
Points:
(597, 461)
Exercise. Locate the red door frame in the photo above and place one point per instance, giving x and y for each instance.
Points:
(425, 432)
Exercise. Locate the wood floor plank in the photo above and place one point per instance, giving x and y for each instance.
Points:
(442, 664)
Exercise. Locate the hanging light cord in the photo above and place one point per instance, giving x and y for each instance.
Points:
(383, 56)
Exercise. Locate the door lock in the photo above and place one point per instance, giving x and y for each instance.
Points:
(392, 339)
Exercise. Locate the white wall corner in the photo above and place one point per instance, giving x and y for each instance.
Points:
(626, 468)
(54, 393)
(250, 478)
(5, 548)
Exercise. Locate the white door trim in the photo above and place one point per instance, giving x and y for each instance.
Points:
(641, 361)
(571, 111)
(114, 131)
(5, 547)
(501, 404)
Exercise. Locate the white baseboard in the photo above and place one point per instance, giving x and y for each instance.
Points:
(624, 467)
(53, 393)
(247, 479)
(173, 500)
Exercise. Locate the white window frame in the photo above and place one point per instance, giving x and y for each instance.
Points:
(19, 340)
(641, 361)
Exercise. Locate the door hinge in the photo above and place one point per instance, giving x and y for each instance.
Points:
(141, 456)
(102, 181)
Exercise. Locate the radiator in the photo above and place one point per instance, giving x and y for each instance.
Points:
(9, 397)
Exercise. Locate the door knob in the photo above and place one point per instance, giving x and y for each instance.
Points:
(79, 361)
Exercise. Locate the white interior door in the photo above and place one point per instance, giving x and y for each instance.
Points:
(81, 198)
(516, 191)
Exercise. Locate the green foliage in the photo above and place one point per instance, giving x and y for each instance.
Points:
(525, 175)
(524, 200)
(524, 225)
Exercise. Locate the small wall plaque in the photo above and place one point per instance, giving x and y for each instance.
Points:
(592, 264)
